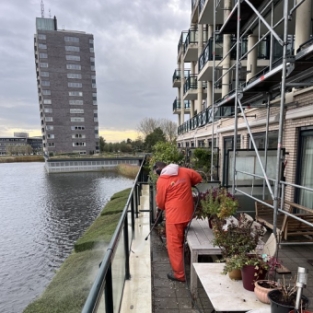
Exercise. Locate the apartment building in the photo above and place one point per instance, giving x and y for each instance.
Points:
(67, 92)
(244, 82)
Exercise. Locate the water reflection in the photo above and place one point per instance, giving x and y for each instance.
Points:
(41, 216)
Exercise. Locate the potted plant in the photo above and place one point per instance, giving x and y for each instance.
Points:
(263, 287)
(283, 298)
(216, 203)
(235, 240)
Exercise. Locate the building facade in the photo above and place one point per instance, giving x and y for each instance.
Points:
(67, 93)
(20, 144)
(244, 81)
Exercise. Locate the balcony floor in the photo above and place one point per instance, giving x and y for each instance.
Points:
(169, 296)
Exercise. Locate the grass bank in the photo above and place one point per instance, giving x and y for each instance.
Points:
(70, 286)
(26, 158)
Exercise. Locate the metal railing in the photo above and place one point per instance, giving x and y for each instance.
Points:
(177, 104)
(107, 290)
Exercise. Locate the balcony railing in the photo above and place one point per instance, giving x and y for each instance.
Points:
(192, 38)
(192, 83)
(177, 104)
(205, 117)
(181, 40)
(207, 54)
(177, 74)
(201, 5)
(115, 264)
(193, 4)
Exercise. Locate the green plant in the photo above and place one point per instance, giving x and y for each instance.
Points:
(240, 260)
(236, 238)
(216, 203)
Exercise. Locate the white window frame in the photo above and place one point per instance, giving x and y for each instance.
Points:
(75, 93)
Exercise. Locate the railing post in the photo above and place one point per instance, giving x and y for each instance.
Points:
(132, 207)
(126, 246)
(108, 292)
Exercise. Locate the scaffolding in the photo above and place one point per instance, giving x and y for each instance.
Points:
(292, 67)
(245, 16)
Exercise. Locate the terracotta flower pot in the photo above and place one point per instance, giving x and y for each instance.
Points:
(235, 274)
(261, 292)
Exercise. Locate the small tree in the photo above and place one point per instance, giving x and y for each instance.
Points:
(102, 144)
(156, 136)
(166, 152)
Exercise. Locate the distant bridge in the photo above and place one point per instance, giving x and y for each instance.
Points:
(89, 164)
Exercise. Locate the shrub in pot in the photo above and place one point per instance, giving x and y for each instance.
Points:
(235, 238)
(283, 298)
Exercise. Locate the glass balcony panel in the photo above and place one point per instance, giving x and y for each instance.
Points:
(201, 5)
(118, 272)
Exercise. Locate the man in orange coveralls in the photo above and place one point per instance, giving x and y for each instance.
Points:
(174, 195)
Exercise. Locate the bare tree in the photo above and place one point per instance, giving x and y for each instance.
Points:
(148, 125)
(169, 129)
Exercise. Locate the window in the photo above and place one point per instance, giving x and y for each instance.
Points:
(95, 113)
(71, 39)
(92, 59)
(93, 79)
(74, 75)
(75, 85)
(47, 101)
(49, 119)
(91, 50)
(77, 127)
(41, 64)
(46, 92)
(77, 119)
(72, 57)
(73, 66)
(78, 136)
(76, 102)
(94, 102)
(75, 144)
(48, 110)
(42, 46)
(44, 74)
(92, 68)
(72, 48)
(50, 136)
(41, 36)
(76, 110)
(94, 96)
(90, 40)
(75, 93)
(51, 144)
(305, 197)
(93, 85)
(43, 55)
(259, 139)
(45, 83)
(49, 127)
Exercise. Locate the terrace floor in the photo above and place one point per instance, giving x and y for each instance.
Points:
(174, 297)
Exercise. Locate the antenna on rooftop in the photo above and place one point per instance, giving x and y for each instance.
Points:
(49, 13)
(42, 9)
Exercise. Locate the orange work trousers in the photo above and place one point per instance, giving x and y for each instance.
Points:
(175, 242)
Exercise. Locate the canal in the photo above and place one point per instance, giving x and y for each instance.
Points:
(41, 217)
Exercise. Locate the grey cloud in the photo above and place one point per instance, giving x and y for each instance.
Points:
(135, 47)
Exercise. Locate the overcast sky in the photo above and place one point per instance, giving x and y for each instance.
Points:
(136, 55)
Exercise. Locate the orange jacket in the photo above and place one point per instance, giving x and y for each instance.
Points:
(174, 194)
